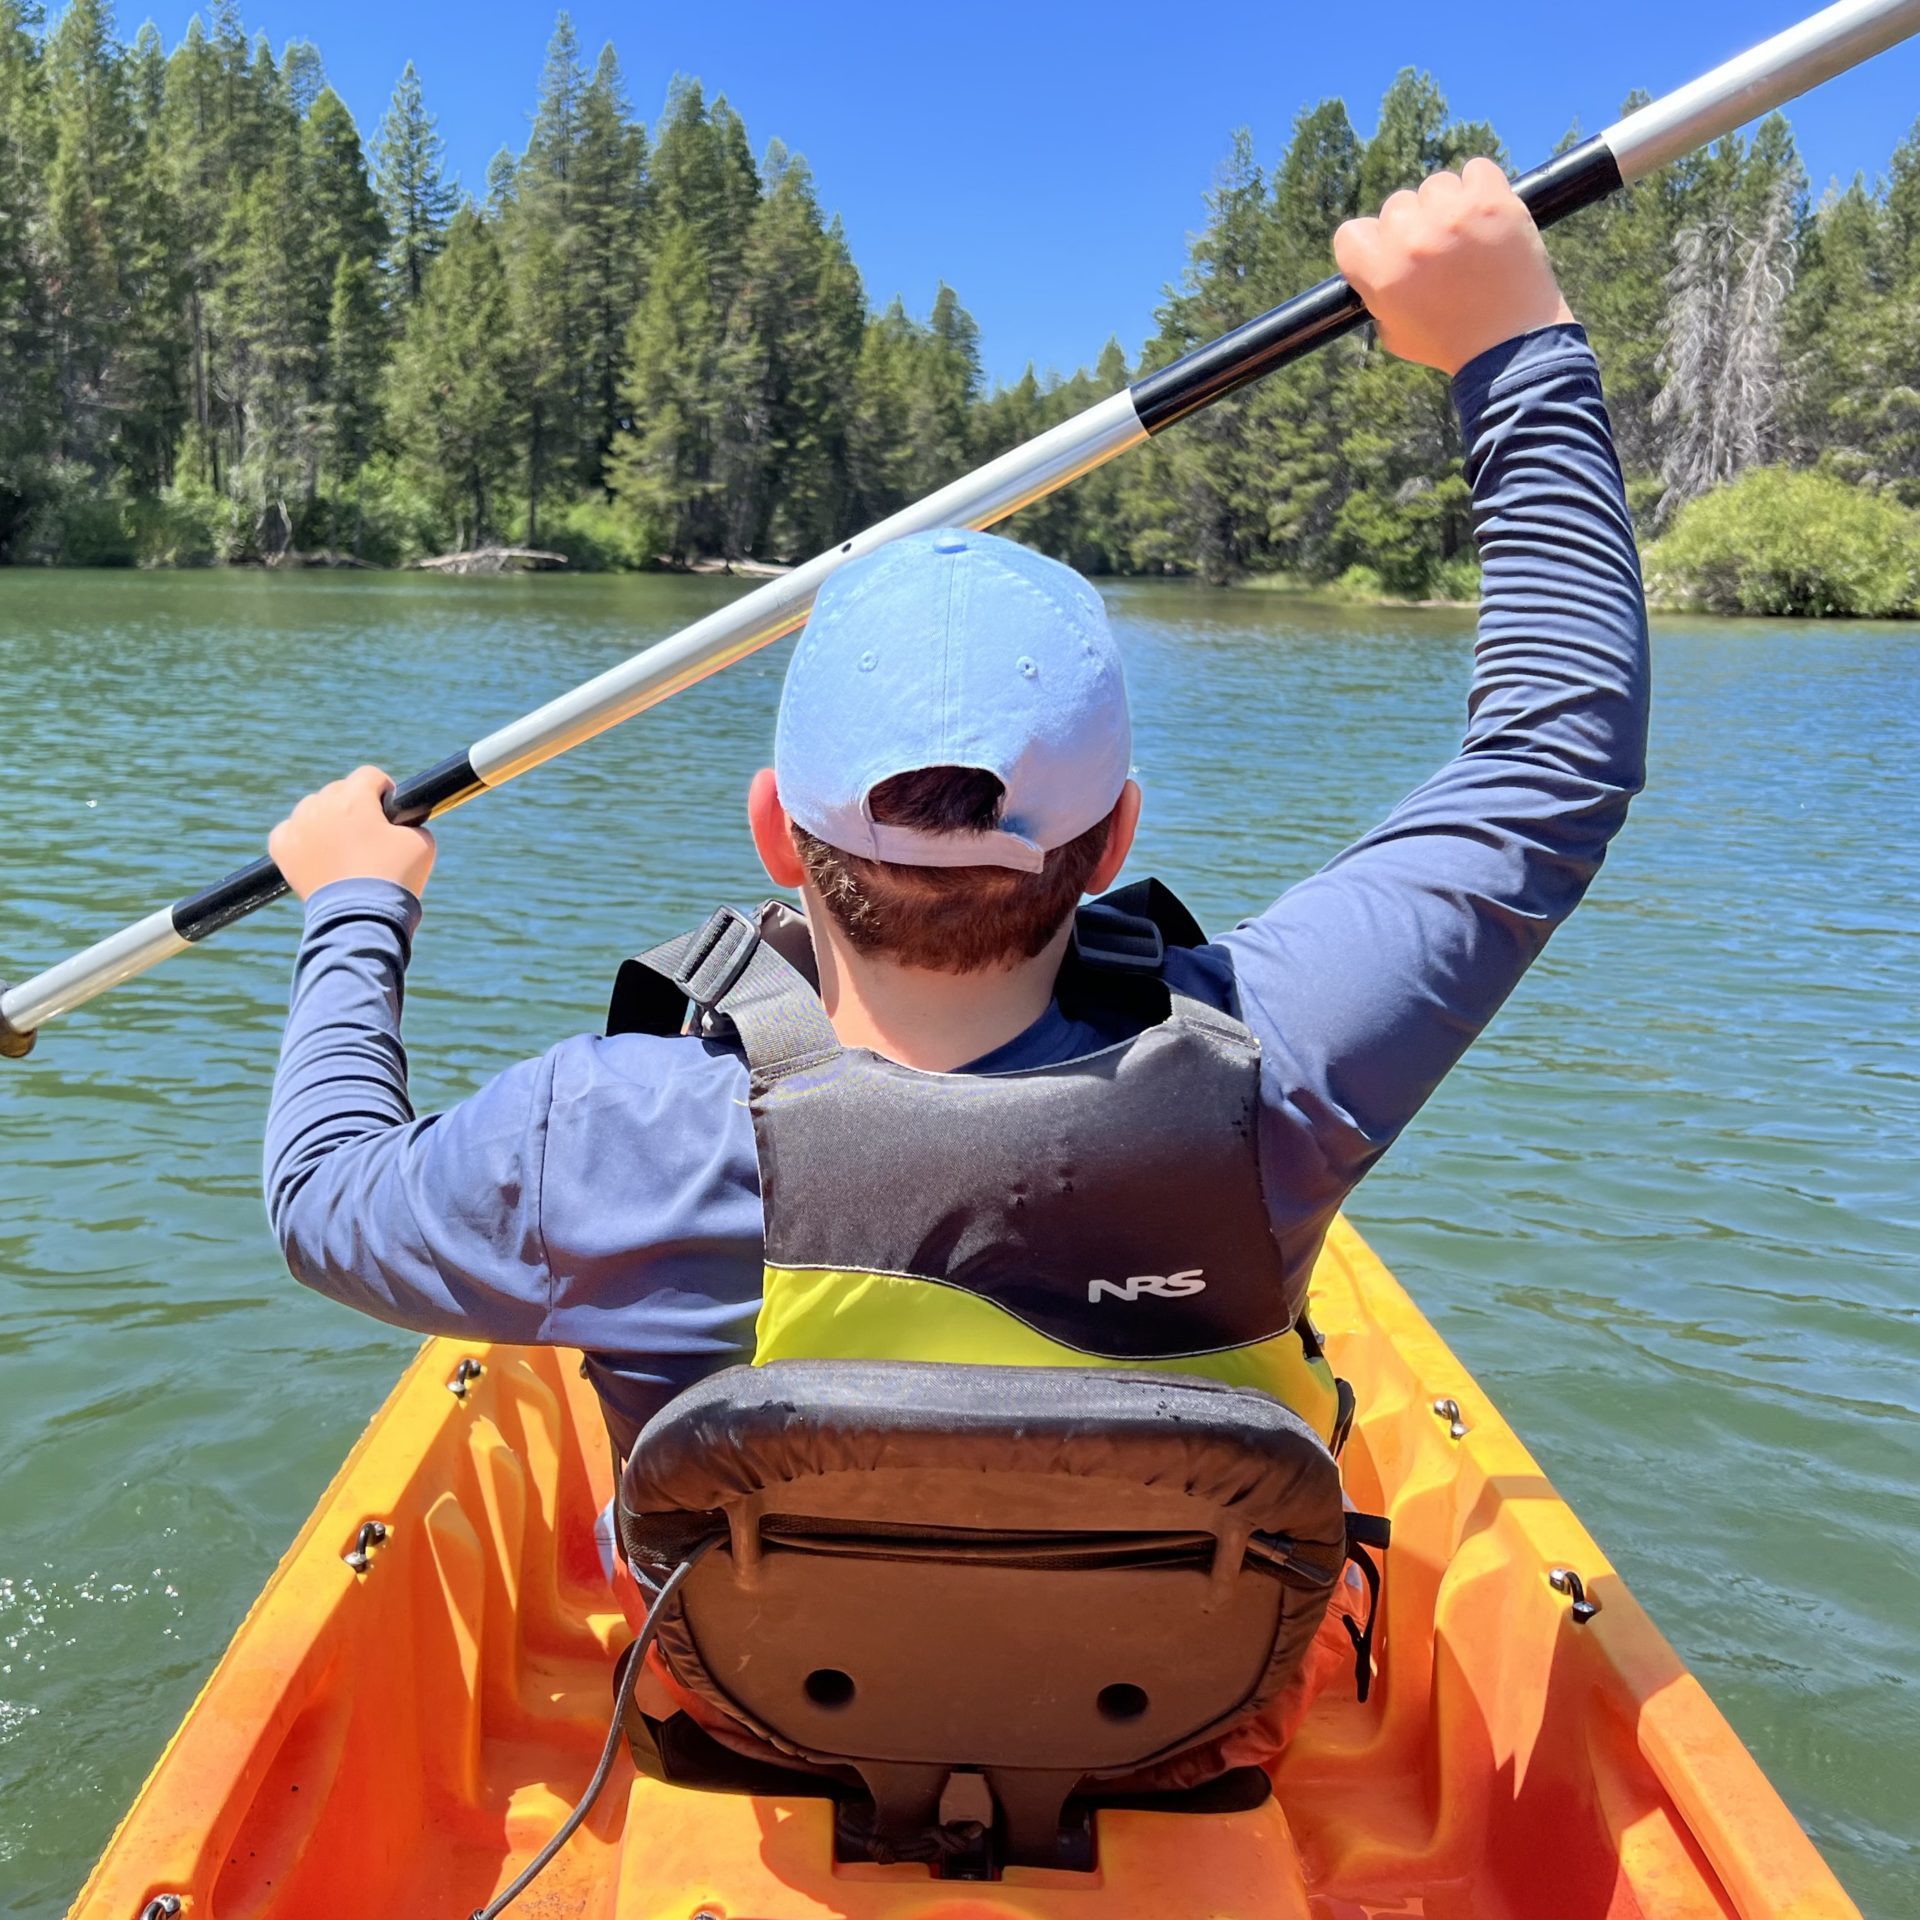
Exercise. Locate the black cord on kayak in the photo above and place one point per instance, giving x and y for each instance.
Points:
(623, 1676)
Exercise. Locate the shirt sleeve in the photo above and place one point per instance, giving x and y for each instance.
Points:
(432, 1224)
(1367, 982)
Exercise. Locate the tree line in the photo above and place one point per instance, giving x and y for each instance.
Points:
(229, 330)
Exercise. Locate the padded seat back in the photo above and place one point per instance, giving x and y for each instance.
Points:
(1060, 1578)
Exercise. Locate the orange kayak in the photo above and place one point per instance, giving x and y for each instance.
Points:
(401, 1739)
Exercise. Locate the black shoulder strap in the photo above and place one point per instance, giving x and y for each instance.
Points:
(757, 975)
(732, 973)
(1117, 961)
(1156, 903)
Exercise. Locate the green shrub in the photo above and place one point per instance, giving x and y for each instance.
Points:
(78, 521)
(1401, 536)
(394, 521)
(1457, 579)
(189, 525)
(1780, 542)
(595, 535)
(1358, 583)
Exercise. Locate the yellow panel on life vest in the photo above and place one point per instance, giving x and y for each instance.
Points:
(819, 1314)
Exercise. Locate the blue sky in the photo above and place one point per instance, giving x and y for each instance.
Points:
(1049, 159)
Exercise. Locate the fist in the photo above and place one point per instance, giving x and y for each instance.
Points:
(342, 833)
(1451, 270)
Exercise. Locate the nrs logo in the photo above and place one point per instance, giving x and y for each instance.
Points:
(1163, 1286)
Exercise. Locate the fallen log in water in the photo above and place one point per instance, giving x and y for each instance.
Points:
(752, 569)
(295, 559)
(492, 560)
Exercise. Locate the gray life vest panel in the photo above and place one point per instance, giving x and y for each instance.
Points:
(1106, 1210)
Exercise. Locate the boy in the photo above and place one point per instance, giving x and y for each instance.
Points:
(975, 1161)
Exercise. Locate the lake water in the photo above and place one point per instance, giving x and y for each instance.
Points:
(1668, 1211)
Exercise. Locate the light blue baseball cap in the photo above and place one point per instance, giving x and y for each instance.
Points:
(954, 649)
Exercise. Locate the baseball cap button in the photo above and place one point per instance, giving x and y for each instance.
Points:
(951, 543)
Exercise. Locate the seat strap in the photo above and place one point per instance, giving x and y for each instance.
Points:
(730, 973)
(1346, 1403)
(1364, 1531)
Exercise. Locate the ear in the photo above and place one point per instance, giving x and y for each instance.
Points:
(773, 832)
(1126, 821)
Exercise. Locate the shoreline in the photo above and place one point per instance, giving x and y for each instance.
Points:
(1325, 593)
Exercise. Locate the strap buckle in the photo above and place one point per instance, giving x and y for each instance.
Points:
(716, 957)
(1105, 936)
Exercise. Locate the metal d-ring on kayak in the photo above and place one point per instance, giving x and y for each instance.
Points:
(1753, 83)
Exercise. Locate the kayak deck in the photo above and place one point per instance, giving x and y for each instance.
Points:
(401, 1740)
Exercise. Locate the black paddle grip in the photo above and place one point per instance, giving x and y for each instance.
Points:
(1569, 181)
(412, 801)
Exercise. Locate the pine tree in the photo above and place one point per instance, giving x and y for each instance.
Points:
(943, 384)
(612, 211)
(1301, 477)
(1103, 544)
(1079, 524)
(1316, 187)
(1902, 200)
(877, 443)
(1612, 262)
(662, 469)
(266, 118)
(93, 173)
(705, 369)
(454, 392)
(572, 212)
(410, 180)
(794, 350)
(1854, 328)
(147, 80)
(340, 209)
(1410, 140)
(1210, 474)
(304, 76)
(354, 363)
(199, 285)
(28, 417)
(1845, 277)
(271, 364)
(704, 179)
(196, 164)
(1405, 510)
(542, 243)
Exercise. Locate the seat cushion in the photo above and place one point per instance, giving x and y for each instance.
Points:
(749, 1429)
(930, 1564)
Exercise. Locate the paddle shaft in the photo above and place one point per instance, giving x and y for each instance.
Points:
(1753, 83)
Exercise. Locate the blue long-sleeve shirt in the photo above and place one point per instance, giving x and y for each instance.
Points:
(606, 1194)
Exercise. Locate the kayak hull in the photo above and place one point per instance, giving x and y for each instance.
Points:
(400, 1739)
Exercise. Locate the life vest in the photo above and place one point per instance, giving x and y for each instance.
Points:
(1105, 1211)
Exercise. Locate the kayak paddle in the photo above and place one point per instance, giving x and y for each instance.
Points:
(1753, 83)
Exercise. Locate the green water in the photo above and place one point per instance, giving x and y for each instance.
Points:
(1667, 1212)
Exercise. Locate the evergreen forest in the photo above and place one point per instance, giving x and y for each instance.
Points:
(233, 328)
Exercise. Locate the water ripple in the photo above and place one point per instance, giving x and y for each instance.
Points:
(1667, 1210)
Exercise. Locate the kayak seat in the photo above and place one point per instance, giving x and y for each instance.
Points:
(1068, 1582)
